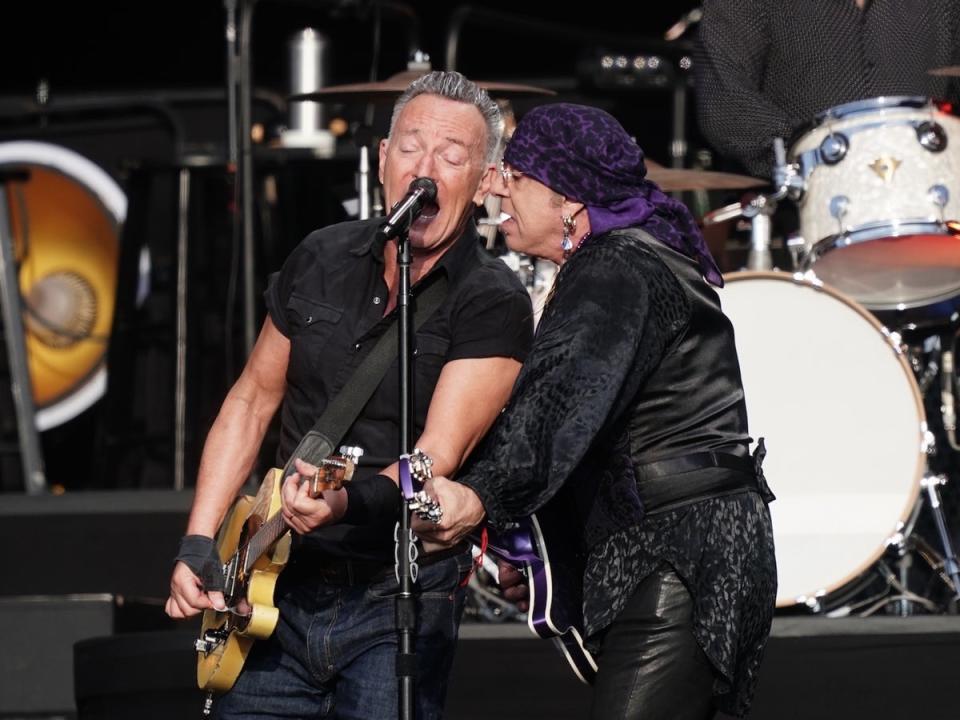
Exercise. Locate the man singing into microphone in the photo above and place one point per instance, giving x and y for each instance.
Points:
(334, 649)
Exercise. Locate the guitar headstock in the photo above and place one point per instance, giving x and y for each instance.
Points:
(332, 473)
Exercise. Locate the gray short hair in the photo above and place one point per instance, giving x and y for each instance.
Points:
(454, 86)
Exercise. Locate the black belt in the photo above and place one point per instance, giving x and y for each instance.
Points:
(669, 484)
(350, 572)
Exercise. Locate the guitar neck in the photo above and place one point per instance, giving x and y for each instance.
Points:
(260, 542)
(332, 472)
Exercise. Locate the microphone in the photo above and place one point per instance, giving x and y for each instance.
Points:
(422, 191)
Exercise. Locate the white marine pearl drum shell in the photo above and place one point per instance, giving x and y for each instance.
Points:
(874, 220)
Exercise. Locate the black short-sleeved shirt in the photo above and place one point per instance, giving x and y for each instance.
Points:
(328, 299)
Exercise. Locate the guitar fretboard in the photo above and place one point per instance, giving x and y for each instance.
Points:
(333, 472)
(267, 535)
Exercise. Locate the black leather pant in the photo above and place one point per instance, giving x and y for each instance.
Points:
(650, 665)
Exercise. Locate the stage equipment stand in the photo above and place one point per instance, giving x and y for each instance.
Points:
(239, 16)
(932, 482)
(31, 460)
(938, 347)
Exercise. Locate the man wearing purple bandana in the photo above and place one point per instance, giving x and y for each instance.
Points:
(629, 418)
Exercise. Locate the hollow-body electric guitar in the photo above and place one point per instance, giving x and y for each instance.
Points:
(543, 548)
(254, 546)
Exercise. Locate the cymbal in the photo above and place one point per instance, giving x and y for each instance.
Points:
(673, 179)
(949, 71)
(388, 90)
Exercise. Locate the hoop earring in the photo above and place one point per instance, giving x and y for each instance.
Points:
(569, 227)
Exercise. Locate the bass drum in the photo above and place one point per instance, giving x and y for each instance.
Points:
(844, 425)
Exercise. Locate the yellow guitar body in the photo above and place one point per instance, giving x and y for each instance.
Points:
(218, 668)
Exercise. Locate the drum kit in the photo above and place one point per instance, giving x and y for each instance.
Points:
(843, 354)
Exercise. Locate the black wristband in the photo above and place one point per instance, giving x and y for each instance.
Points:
(199, 553)
(371, 501)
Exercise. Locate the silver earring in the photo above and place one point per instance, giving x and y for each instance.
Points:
(569, 226)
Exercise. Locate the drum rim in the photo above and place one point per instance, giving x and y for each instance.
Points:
(880, 230)
(823, 593)
(881, 102)
(857, 107)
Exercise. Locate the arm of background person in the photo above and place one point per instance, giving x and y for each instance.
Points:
(734, 115)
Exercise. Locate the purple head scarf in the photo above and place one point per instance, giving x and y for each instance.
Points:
(585, 154)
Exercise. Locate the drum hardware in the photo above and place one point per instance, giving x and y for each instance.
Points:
(363, 183)
(309, 57)
(932, 136)
(484, 602)
(931, 484)
(537, 276)
(947, 398)
(759, 211)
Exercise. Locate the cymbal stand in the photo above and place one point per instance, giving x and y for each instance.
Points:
(31, 460)
(760, 209)
(951, 567)
(941, 362)
(931, 484)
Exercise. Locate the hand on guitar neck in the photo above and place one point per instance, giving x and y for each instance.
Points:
(307, 507)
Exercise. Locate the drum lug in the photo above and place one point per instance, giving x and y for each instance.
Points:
(932, 136)
(833, 148)
(939, 195)
(838, 206)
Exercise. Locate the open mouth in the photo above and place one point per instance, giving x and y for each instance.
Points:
(430, 211)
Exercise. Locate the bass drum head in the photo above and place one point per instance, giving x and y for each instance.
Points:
(843, 421)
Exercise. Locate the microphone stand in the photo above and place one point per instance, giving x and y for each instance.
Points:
(405, 552)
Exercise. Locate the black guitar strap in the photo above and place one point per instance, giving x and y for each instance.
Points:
(319, 441)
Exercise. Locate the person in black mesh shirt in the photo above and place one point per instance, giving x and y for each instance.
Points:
(765, 68)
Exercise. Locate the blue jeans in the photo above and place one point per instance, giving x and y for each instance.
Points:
(333, 653)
